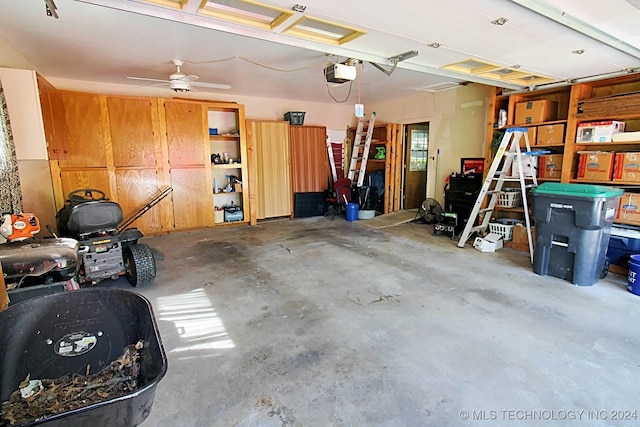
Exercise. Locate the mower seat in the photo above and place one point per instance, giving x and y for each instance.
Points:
(100, 216)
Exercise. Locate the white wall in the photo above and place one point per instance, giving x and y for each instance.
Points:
(23, 101)
(25, 115)
(457, 119)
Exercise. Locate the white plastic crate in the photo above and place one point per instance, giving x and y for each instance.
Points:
(509, 199)
(505, 230)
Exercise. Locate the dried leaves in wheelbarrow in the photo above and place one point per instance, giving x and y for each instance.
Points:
(40, 398)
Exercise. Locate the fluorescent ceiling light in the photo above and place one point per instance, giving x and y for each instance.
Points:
(246, 12)
(323, 31)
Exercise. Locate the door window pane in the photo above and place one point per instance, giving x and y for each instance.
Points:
(419, 150)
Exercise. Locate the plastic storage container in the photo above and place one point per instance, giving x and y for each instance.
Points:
(573, 226)
(295, 117)
(31, 337)
(622, 244)
(352, 212)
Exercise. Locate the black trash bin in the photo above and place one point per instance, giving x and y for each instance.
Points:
(38, 338)
(573, 226)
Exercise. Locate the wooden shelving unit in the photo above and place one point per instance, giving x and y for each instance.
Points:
(385, 135)
(570, 100)
(229, 178)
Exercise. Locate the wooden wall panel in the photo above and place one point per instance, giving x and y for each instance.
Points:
(76, 179)
(135, 188)
(185, 133)
(274, 195)
(131, 128)
(192, 198)
(85, 136)
(309, 158)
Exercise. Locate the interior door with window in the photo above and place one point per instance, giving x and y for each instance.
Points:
(415, 164)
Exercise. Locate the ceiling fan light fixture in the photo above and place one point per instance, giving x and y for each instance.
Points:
(180, 86)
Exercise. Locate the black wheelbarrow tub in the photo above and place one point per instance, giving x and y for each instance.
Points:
(31, 334)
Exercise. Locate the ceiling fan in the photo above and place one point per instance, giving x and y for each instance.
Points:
(180, 82)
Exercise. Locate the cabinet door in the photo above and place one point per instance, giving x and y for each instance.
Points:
(132, 135)
(273, 169)
(85, 134)
(309, 158)
(189, 163)
(53, 135)
(187, 133)
(135, 188)
(192, 198)
(75, 179)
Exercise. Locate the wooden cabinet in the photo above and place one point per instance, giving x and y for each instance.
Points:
(309, 158)
(132, 147)
(187, 147)
(271, 158)
(134, 132)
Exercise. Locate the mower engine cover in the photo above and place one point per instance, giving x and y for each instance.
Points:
(42, 260)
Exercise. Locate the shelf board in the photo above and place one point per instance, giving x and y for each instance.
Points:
(223, 137)
(519, 209)
(226, 193)
(231, 223)
(375, 160)
(597, 118)
(606, 144)
(612, 183)
(547, 146)
(226, 166)
(553, 122)
(622, 221)
(548, 179)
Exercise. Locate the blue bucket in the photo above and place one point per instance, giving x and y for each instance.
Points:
(352, 213)
(633, 280)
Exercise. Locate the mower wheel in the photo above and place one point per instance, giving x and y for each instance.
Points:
(140, 267)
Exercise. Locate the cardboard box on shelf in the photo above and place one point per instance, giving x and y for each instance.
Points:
(627, 167)
(550, 166)
(532, 131)
(595, 165)
(237, 187)
(550, 134)
(531, 112)
(629, 207)
(598, 131)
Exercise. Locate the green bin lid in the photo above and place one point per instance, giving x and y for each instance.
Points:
(577, 190)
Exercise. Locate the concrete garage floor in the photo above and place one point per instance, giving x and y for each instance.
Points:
(313, 322)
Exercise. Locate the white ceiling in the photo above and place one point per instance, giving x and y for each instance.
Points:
(108, 40)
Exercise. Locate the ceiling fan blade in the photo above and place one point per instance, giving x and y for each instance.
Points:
(211, 85)
(149, 80)
(190, 78)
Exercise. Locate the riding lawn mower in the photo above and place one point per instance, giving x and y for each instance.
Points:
(92, 243)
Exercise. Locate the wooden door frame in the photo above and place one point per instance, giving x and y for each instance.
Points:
(403, 144)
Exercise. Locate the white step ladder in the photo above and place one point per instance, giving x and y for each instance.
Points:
(360, 151)
(509, 151)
